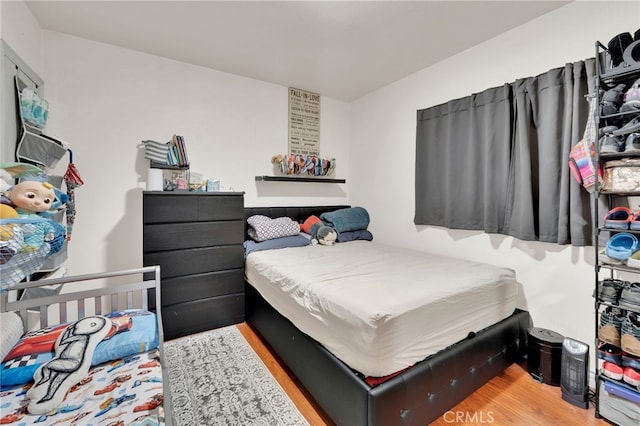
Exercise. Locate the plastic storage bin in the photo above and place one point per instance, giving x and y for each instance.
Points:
(618, 404)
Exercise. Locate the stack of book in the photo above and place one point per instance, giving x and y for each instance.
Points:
(177, 153)
(172, 153)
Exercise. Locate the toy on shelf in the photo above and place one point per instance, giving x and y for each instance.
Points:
(303, 165)
(27, 234)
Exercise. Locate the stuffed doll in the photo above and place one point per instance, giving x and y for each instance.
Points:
(58, 204)
(29, 198)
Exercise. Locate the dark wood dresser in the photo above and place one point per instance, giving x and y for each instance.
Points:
(196, 238)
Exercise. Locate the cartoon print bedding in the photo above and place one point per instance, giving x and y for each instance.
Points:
(96, 370)
(126, 391)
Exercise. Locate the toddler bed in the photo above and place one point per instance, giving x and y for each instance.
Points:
(368, 354)
(100, 361)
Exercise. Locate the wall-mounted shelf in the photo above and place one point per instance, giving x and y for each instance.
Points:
(155, 165)
(298, 179)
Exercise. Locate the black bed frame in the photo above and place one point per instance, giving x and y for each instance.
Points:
(418, 395)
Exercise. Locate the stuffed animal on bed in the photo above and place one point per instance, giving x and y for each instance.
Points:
(326, 236)
(319, 232)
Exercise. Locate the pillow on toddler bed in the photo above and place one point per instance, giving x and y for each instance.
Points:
(74, 349)
(133, 331)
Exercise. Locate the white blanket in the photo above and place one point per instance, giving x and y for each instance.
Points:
(379, 308)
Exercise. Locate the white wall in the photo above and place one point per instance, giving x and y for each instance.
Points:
(104, 100)
(558, 281)
(21, 31)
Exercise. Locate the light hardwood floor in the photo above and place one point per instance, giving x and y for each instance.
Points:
(512, 398)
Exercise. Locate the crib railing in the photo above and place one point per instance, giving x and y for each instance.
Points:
(113, 295)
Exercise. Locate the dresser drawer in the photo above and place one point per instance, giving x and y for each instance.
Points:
(200, 286)
(201, 315)
(196, 261)
(192, 207)
(162, 208)
(221, 207)
(173, 236)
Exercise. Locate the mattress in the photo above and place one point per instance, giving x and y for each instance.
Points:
(378, 308)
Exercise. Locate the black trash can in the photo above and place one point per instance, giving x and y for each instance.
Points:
(544, 355)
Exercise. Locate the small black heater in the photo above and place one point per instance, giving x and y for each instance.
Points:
(574, 377)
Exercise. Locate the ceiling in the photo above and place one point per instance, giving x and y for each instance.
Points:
(340, 49)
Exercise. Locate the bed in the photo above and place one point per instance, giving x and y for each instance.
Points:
(106, 367)
(364, 368)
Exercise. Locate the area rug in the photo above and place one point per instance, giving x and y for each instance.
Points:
(216, 378)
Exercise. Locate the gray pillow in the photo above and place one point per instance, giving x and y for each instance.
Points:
(263, 228)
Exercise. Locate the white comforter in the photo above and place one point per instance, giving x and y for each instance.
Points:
(379, 308)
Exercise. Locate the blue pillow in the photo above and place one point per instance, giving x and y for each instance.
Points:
(141, 337)
(138, 333)
(361, 234)
(277, 243)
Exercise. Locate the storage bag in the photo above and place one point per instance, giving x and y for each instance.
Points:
(622, 175)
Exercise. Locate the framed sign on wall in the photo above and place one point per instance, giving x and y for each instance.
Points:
(304, 122)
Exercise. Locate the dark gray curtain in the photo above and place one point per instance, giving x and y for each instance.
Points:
(463, 154)
(497, 161)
